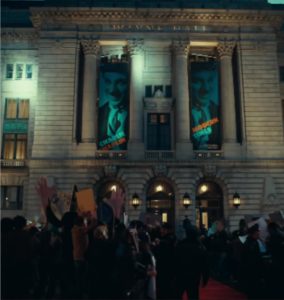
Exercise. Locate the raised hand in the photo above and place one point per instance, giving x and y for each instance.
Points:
(116, 201)
(44, 191)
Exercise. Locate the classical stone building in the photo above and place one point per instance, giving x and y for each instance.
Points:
(51, 70)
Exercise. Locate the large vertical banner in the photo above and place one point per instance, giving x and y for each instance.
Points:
(205, 105)
(113, 106)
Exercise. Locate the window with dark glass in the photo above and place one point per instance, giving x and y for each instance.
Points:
(158, 131)
(9, 71)
(11, 197)
(29, 71)
(19, 71)
(281, 73)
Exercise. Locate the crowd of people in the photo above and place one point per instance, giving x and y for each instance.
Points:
(86, 259)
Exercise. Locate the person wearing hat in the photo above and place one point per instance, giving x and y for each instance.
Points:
(252, 264)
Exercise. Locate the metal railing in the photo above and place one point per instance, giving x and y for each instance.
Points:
(159, 155)
(13, 163)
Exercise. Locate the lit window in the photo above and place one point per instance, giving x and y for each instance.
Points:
(11, 109)
(11, 197)
(19, 71)
(24, 107)
(29, 71)
(14, 146)
(9, 71)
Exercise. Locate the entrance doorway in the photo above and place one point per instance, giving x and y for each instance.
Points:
(209, 203)
(160, 201)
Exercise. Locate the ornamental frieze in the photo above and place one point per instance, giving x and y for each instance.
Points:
(19, 35)
(155, 16)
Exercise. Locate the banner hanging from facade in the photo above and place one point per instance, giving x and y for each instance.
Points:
(113, 109)
(205, 105)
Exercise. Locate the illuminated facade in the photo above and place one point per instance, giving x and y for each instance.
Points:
(55, 73)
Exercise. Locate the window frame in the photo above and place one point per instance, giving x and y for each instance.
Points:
(16, 140)
(17, 109)
(19, 197)
(14, 71)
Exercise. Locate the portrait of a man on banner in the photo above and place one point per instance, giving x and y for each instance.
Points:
(205, 105)
(113, 106)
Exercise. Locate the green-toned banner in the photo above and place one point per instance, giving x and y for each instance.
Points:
(15, 126)
(113, 106)
(205, 105)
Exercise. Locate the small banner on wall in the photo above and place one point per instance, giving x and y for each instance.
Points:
(205, 105)
(113, 106)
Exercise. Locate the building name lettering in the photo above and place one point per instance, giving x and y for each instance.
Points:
(144, 27)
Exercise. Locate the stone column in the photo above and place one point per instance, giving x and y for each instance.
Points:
(182, 117)
(89, 109)
(225, 50)
(135, 144)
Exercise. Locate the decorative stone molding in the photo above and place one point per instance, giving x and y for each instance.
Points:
(180, 47)
(19, 35)
(135, 46)
(110, 170)
(160, 170)
(209, 170)
(132, 16)
(90, 47)
(226, 47)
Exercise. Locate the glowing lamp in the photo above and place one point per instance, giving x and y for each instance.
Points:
(236, 200)
(186, 201)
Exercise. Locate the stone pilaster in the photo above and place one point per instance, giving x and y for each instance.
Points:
(135, 144)
(182, 117)
(225, 49)
(89, 118)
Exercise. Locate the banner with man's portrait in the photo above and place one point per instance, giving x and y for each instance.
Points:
(205, 105)
(113, 112)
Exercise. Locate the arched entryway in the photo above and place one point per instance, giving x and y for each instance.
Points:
(160, 201)
(209, 203)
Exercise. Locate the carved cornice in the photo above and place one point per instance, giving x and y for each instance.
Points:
(135, 46)
(91, 47)
(12, 35)
(226, 47)
(180, 47)
(155, 16)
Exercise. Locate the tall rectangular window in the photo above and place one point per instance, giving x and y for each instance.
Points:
(19, 71)
(9, 71)
(11, 197)
(14, 146)
(158, 131)
(281, 73)
(23, 108)
(11, 109)
(29, 71)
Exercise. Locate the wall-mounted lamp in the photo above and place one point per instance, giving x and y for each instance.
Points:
(236, 200)
(186, 201)
(135, 201)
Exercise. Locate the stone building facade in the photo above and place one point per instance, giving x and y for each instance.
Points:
(62, 50)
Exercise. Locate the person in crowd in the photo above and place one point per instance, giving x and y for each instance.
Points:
(7, 278)
(21, 252)
(124, 261)
(275, 246)
(219, 243)
(191, 265)
(80, 245)
(163, 251)
(100, 257)
(252, 267)
(67, 264)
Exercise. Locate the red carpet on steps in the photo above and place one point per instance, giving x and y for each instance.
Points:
(216, 290)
